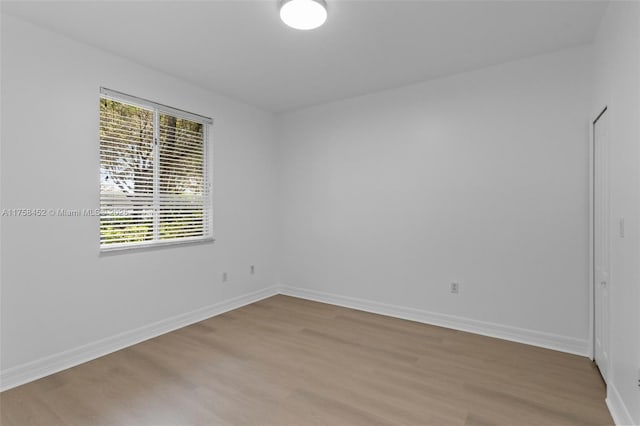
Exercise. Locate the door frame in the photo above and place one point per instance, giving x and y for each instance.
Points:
(592, 275)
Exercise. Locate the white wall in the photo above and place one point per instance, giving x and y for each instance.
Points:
(618, 87)
(58, 292)
(479, 178)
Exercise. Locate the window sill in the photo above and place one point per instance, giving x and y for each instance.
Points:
(122, 248)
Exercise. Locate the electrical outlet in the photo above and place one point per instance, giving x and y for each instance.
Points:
(455, 288)
(225, 277)
(252, 269)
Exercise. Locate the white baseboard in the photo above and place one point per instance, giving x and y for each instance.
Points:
(521, 335)
(34, 370)
(617, 408)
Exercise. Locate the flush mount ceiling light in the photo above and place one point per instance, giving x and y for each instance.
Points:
(303, 14)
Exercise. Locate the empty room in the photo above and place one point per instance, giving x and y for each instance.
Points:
(320, 212)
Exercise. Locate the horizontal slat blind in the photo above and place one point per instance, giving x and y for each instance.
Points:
(182, 188)
(153, 177)
(126, 173)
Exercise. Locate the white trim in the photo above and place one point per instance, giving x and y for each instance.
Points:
(156, 176)
(515, 334)
(590, 285)
(42, 367)
(619, 412)
(592, 329)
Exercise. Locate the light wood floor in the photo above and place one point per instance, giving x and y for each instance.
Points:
(287, 361)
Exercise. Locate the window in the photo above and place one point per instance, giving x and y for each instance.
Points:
(154, 180)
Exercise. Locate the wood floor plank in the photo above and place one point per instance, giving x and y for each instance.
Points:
(288, 361)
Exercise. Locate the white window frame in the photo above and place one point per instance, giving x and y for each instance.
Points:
(207, 123)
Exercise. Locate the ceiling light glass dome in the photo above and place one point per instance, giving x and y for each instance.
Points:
(303, 14)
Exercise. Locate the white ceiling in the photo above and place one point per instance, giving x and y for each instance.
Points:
(241, 49)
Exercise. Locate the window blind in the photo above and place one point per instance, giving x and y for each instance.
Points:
(154, 179)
